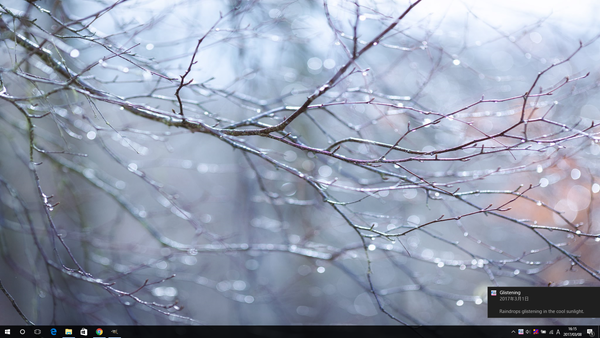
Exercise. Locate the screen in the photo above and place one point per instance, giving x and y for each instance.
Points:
(426, 165)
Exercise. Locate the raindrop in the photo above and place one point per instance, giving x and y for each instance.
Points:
(325, 171)
(290, 156)
(224, 286)
(252, 264)
(314, 63)
(329, 63)
(189, 260)
(303, 310)
(239, 285)
(535, 37)
(167, 292)
(88, 173)
(304, 270)
(120, 185)
(132, 167)
(186, 164)
(161, 265)
(414, 219)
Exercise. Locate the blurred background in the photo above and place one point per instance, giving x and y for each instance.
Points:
(455, 152)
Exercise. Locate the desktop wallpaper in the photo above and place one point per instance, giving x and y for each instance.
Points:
(359, 162)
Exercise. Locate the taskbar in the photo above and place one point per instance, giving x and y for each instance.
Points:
(295, 331)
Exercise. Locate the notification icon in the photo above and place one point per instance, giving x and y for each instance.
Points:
(99, 331)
